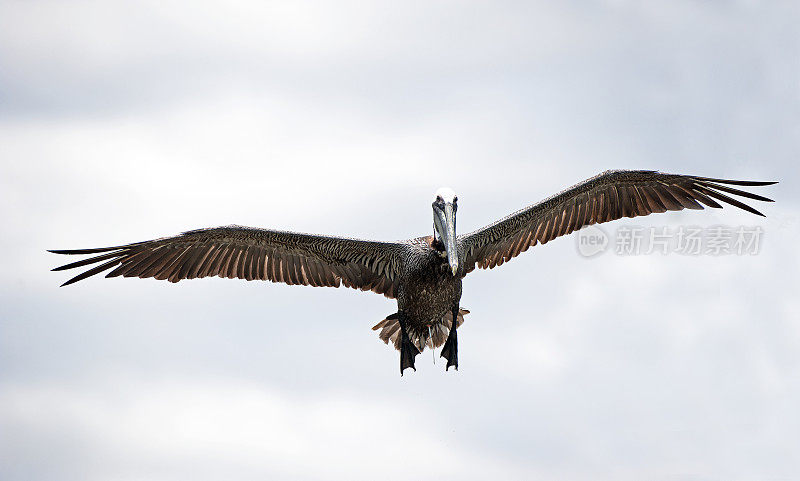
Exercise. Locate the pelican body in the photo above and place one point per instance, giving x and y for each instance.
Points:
(424, 274)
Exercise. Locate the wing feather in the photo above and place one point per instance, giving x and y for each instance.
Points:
(603, 198)
(251, 254)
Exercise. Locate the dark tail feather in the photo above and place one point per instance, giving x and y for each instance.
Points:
(390, 331)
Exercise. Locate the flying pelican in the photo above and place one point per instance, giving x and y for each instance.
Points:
(424, 274)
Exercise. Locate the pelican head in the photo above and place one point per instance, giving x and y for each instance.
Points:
(444, 224)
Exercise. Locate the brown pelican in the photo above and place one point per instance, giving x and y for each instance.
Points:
(424, 274)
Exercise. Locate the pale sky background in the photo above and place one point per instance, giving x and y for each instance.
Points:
(124, 121)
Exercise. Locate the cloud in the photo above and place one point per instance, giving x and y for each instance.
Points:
(203, 431)
(127, 121)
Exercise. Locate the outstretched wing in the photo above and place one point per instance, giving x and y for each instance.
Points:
(603, 198)
(250, 253)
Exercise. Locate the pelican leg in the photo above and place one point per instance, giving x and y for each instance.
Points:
(450, 349)
(407, 349)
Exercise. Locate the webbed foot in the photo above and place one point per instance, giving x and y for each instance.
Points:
(450, 350)
(407, 352)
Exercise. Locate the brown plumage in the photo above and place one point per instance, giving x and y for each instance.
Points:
(424, 274)
(390, 331)
(237, 252)
(603, 198)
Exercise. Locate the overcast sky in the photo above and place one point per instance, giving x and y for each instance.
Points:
(124, 121)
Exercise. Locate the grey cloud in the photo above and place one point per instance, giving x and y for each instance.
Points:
(121, 122)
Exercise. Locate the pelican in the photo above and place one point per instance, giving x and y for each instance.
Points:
(423, 274)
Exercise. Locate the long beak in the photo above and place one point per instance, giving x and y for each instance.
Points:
(446, 226)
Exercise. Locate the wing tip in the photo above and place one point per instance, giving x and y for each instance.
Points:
(748, 183)
(86, 251)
